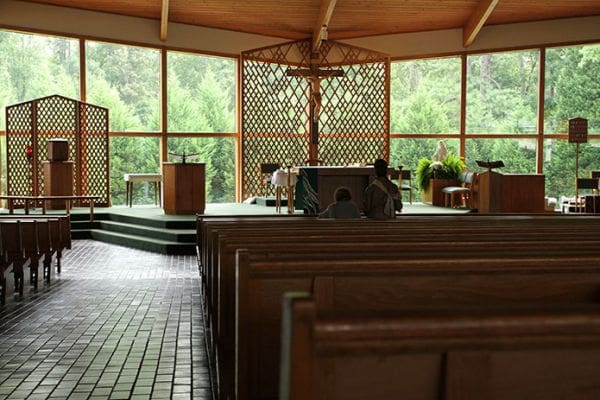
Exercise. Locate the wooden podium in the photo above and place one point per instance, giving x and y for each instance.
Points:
(58, 181)
(184, 188)
(511, 193)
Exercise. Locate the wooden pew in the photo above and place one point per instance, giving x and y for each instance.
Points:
(456, 354)
(384, 284)
(277, 230)
(24, 240)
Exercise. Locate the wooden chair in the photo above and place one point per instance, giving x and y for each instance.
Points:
(266, 172)
(463, 192)
(586, 184)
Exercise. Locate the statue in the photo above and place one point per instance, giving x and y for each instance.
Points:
(441, 153)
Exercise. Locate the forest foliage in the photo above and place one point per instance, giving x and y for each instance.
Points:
(502, 98)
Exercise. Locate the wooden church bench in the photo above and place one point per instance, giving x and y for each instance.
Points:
(387, 285)
(456, 354)
(28, 238)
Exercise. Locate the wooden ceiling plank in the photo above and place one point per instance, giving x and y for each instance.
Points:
(477, 20)
(164, 20)
(325, 12)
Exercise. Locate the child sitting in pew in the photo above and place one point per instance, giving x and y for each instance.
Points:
(343, 207)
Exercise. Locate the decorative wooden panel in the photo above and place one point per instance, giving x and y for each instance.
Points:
(84, 126)
(354, 117)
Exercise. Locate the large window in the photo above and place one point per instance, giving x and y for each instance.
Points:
(518, 155)
(33, 66)
(201, 93)
(218, 153)
(130, 154)
(502, 92)
(559, 165)
(572, 87)
(126, 80)
(425, 96)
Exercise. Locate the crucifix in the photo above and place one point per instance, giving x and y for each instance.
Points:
(314, 75)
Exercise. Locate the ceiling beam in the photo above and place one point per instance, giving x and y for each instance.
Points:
(327, 7)
(164, 20)
(477, 20)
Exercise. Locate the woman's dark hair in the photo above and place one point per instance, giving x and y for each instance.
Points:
(342, 194)
(381, 167)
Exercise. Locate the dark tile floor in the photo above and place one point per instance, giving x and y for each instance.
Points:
(117, 323)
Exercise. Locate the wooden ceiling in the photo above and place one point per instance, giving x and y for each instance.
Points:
(297, 19)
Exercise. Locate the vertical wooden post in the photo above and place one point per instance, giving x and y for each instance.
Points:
(463, 105)
(164, 110)
(82, 72)
(34, 146)
(239, 125)
(541, 99)
(388, 94)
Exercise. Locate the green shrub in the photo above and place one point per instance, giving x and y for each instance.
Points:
(450, 168)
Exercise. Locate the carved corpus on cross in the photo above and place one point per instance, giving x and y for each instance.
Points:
(314, 75)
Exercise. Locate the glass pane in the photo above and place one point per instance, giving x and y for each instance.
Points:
(425, 96)
(201, 93)
(572, 87)
(408, 152)
(518, 155)
(219, 156)
(502, 92)
(559, 165)
(33, 66)
(132, 155)
(126, 80)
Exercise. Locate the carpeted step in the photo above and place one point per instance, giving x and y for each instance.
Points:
(143, 242)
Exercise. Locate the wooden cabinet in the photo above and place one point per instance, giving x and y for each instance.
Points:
(511, 193)
(184, 188)
(58, 181)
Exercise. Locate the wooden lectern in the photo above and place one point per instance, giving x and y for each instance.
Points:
(184, 188)
(511, 193)
(58, 181)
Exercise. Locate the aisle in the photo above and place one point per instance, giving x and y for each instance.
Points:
(117, 323)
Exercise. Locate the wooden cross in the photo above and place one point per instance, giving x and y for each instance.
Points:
(314, 75)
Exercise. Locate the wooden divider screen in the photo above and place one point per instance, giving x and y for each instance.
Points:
(279, 122)
(84, 125)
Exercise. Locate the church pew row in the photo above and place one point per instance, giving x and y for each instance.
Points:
(387, 285)
(221, 279)
(409, 226)
(265, 229)
(23, 242)
(522, 352)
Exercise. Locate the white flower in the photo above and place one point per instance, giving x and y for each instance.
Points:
(436, 165)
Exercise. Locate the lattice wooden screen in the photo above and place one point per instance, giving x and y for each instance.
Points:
(84, 125)
(354, 117)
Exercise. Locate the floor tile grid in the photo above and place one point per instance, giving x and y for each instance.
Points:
(133, 342)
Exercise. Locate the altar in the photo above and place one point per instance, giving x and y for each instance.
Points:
(316, 186)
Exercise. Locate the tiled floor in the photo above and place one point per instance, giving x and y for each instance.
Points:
(116, 324)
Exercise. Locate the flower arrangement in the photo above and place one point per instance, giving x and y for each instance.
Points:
(448, 168)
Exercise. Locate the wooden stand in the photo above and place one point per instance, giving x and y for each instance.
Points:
(58, 181)
(511, 193)
(184, 188)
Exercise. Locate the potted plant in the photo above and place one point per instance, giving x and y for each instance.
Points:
(433, 176)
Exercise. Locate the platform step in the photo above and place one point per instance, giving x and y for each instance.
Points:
(142, 242)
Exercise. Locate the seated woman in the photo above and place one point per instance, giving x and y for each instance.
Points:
(343, 207)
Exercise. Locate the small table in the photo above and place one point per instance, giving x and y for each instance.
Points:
(156, 179)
